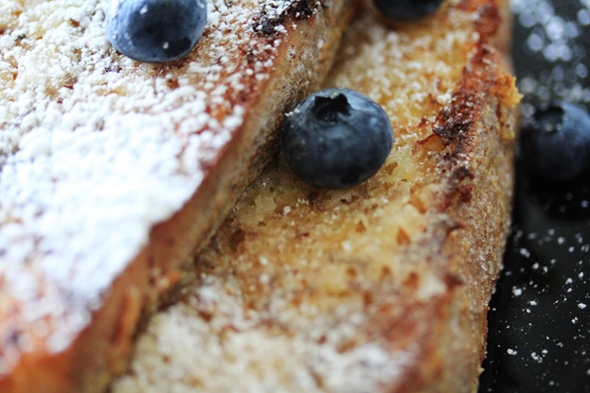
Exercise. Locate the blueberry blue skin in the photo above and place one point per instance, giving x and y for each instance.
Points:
(407, 10)
(156, 31)
(555, 142)
(336, 138)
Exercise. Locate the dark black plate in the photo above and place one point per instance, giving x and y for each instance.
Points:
(539, 322)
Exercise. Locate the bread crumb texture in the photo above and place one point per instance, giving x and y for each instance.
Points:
(96, 148)
(306, 290)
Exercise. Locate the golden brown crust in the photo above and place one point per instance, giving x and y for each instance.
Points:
(383, 287)
(101, 348)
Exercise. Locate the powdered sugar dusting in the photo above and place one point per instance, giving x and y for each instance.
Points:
(184, 350)
(91, 141)
(410, 85)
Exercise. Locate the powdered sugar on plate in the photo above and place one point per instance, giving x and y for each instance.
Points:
(538, 325)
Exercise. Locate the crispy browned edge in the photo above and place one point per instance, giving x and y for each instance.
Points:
(456, 323)
(102, 349)
(480, 124)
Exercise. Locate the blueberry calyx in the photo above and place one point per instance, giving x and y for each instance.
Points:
(407, 10)
(327, 109)
(156, 31)
(555, 142)
(336, 138)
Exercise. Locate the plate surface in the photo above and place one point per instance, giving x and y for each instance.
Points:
(539, 322)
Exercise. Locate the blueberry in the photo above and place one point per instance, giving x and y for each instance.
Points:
(336, 138)
(406, 10)
(555, 142)
(156, 31)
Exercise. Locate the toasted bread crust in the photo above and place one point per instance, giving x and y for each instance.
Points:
(291, 48)
(383, 287)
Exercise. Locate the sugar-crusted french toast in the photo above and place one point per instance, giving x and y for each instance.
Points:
(113, 173)
(383, 287)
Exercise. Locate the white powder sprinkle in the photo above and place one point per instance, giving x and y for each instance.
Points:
(91, 141)
(511, 352)
(525, 253)
(263, 261)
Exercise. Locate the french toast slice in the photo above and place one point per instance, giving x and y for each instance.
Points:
(383, 287)
(114, 173)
